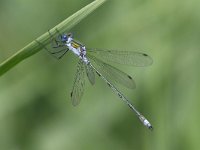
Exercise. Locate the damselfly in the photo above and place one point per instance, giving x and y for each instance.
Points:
(94, 60)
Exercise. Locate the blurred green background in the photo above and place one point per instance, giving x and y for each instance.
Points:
(35, 107)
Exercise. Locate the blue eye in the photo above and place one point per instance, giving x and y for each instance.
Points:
(64, 37)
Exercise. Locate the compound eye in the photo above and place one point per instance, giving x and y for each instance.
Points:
(64, 37)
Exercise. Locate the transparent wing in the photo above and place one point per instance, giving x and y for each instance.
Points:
(112, 73)
(90, 74)
(122, 57)
(79, 83)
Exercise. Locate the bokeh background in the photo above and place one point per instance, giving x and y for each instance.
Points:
(35, 106)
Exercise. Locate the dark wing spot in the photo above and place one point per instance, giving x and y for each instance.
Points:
(145, 55)
(71, 94)
(129, 77)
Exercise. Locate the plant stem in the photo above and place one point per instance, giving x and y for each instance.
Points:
(44, 39)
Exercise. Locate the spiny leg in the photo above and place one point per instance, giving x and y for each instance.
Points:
(58, 43)
(66, 50)
(52, 53)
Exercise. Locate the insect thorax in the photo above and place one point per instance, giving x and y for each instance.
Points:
(78, 49)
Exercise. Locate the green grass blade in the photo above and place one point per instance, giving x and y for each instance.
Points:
(34, 47)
